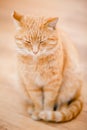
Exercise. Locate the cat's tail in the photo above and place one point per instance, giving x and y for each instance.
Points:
(65, 114)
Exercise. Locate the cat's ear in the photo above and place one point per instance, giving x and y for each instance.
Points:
(51, 22)
(17, 16)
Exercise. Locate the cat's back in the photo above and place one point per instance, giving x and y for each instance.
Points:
(70, 51)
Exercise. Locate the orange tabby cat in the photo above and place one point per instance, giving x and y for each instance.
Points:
(48, 69)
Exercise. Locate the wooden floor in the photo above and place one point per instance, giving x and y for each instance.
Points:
(73, 19)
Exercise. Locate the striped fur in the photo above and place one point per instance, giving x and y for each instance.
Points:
(48, 68)
(66, 113)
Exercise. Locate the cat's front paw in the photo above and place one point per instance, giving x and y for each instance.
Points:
(35, 116)
(30, 110)
(45, 115)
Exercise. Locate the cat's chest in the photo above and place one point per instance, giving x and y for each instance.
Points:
(40, 71)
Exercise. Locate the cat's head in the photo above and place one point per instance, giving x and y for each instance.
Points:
(35, 35)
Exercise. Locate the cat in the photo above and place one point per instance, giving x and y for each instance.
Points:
(48, 69)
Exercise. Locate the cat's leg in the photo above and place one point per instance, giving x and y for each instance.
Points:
(30, 109)
(36, 97)
(50, 94)
(33, 95)
(26, 96)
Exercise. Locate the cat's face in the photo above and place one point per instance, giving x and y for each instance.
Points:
(36, 35)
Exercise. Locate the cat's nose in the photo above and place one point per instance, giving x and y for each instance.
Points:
(35, 52)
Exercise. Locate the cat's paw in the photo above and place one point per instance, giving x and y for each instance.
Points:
(35, 116)
(30, 110)
(42, 115)
(45, 115)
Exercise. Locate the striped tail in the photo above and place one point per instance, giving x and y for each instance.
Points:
(65, 114)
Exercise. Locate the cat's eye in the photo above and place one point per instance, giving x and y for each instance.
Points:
(41, 41)
(27, 41)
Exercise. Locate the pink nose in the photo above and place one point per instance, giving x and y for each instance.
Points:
(35, 52)
(35, 49)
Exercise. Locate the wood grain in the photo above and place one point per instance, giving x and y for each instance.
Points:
(73, 19)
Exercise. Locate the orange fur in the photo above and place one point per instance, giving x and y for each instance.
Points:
(48, 69)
